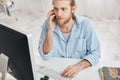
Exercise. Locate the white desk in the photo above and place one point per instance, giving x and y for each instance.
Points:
(91, 73)
(59, 64)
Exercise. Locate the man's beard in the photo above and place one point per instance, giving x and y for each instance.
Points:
(65, 21)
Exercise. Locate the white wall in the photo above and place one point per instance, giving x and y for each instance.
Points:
(105, 9)
(98, 9)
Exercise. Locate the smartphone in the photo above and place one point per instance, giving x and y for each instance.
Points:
(54, 19)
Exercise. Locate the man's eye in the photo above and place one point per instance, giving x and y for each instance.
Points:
(55, 9)
(63, 9)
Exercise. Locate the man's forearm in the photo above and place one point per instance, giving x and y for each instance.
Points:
(47, 45)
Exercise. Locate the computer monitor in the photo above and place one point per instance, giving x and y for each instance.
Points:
(16, 44)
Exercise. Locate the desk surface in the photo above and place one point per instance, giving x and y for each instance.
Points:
(59, 64)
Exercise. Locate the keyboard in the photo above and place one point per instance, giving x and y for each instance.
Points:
(51, 73)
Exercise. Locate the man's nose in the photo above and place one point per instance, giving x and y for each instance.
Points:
(59, 12)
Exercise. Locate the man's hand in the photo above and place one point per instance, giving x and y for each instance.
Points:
(51, 21)
(73, 70)
(47, 45)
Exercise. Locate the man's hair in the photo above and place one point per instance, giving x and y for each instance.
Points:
(72, 2)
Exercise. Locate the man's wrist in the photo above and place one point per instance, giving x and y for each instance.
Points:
(50, 31)
(83, 64)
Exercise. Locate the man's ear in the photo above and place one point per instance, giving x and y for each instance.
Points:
(74, 8)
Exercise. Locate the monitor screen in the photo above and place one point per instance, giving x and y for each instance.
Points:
(15, 45)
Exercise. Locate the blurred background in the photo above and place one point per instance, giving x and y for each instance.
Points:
(29, 15)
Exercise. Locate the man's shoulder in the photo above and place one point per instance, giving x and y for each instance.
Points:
(82, 19)
(84, 22)
(45, 24)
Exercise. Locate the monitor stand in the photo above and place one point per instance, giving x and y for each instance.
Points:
(3, 65)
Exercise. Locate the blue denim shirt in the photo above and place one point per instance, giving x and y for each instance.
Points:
(82, 44)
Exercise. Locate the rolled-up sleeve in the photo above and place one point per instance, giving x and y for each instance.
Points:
(41, 41)
(93, 45)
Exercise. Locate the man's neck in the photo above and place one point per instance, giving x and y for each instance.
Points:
(68, 26)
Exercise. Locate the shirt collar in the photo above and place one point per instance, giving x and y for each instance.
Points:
(57, 30)
(75, 27)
